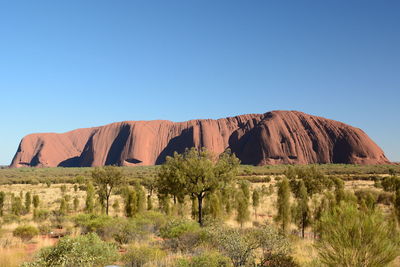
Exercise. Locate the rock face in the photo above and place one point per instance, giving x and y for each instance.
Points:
(277, 137)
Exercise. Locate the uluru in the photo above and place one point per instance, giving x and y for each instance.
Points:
(276, 137)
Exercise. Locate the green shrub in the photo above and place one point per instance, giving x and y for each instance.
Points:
(353, 237)
(277, 260)
(40, 215)
(10, 218)
(180, 234)
(141, 255)
(125, 231)
(94, 223)
(177, 227)
(240, 244)
(210, 259)
(25, 232)
(385, 198)
(44, 229)
(87, 250)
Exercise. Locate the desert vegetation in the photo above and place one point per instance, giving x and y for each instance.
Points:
(201, 210)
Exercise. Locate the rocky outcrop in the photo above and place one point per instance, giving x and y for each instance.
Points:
(277, 137)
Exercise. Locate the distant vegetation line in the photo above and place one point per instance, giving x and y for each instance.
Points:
(251, 173)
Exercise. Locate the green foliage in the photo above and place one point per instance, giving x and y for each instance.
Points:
(391, 183)
(131, 201)
(283, 205)
(87, 250)
(256, 200)
(242, 207)
(214, 206)
(149, 203)
(115, 206)
(63, 189)
(2, 200)
(28, 202)
(63, 210)
(16, 206)
(240, 244)
(350, 237)
(141, 198)
(302, 210)
(396, 204)
(25, 232)
(107, 179)
(278, 260)
(89, 202)
(209, 259)
(314, 180)
(90, 223)
(76, 203)
(44, 229)
(40, 215)
(141, 255)
(36, 201)
(176, 227)
(195, 173)
(367, 197)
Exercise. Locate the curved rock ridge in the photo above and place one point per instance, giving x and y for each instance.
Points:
(276, 137)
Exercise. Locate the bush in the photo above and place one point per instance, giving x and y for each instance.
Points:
(180, 234)
(98, 224)
(40, 215)
(240, 244)
(141, 255)
(385, 198)
(25, 232)
(177, 227)
(125, 231)
(210, 259)
(44, 229)
(278, 260)
(10, 218)
(352, 237)
(86, 250)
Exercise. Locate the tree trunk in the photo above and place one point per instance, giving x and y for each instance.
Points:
(200, 202)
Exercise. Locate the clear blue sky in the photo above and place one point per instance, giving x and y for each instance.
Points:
(71, 64)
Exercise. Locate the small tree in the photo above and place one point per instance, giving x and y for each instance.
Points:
(140, 198)
(196, 173)
(256, 201)
(283, 205)
(16, 206)
(63, 189)
(242, 206)
(2, 200)
(25, 232)
(63, 206)
(149, 202)
(28, 201)
(131, 203)
(106, 180)
(89, 202)
(76, 203)
(350, 237)
(302, 209)
(397, 204)
(36, 201)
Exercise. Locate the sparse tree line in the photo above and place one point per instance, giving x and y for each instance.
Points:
(192, 196)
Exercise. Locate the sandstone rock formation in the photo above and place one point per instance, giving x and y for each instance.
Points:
(277, 137)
